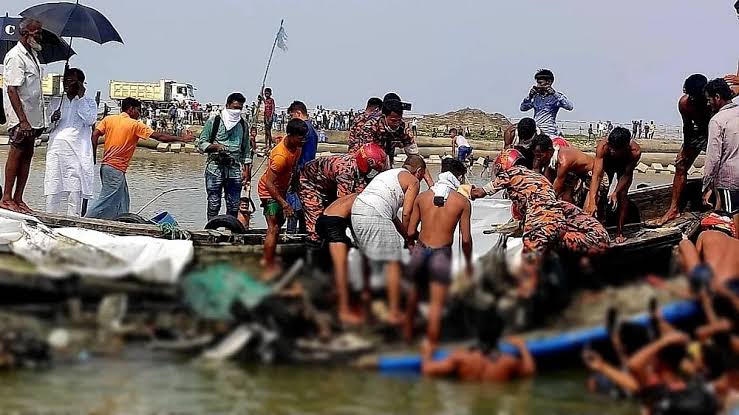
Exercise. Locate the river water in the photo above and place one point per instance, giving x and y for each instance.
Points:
(146, 382)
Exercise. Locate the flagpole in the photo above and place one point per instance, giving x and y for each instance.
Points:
(266, 71)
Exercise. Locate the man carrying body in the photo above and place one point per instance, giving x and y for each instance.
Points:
(273, 185)
(24, 111)
(326, 179)
(228, 168)
(378, 232)
(388, 131)
(548, 223)
(69, 162)
(439, 210)
(483, 363)
(545, 102)
(618, 154)
(721, 170)
(696, 114)
(567, 168)
(122, 132)
(269, 112)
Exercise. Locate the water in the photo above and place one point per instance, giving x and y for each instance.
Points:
(142, 381)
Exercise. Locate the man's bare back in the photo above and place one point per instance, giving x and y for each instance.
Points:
(573, 160)
(341, 207)
(721, 253)
(438, 223)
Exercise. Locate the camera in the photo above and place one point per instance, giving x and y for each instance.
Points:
(406, 106)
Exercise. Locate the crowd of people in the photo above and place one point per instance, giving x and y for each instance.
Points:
(559, 194)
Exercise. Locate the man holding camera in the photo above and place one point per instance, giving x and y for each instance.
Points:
(225, 138)
(545, 102)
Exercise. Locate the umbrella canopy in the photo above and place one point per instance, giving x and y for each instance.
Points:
(74, 20)
(54, 48)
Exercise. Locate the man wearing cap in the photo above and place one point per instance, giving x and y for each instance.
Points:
(545, 102)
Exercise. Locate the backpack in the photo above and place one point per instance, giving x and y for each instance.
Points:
(217, 125)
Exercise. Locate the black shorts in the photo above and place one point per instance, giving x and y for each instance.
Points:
(728, 201)
(19, 141)
(332, 229)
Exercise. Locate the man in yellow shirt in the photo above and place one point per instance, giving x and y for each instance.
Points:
(122, 132)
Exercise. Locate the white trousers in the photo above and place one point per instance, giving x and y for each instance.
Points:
(55, 203)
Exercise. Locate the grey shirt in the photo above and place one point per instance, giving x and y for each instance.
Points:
(721, 170)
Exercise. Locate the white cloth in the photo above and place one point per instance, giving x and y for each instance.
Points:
(22, 69)
(69, 164)
(55, 204)
(461, 141)
(230, 118)
(447, 183)
(384, 193)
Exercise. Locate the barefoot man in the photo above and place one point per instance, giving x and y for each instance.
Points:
(567, 168)
(618, 154)
(439, 210)
(273, 185)
(378, 231)
(25, 112)
(696, 113)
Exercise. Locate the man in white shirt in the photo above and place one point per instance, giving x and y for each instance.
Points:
(25, 112)
(462, 146)
(69, 160)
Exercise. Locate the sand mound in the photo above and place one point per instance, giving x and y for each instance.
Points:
(473, 118)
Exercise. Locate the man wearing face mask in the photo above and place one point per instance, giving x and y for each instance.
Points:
(24, 112)
(226, 141)
(388, 131)
(326, 179)
(545, 102)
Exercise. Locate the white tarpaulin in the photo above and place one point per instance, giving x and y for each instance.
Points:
(63, 252)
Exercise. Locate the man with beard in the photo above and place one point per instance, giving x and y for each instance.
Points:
(25, 112)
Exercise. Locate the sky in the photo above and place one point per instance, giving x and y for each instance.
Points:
(616, 60)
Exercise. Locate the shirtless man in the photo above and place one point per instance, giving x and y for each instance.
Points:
(439, 210)
(570, 172)
(696, 113)
(717, 251)
(331, 228)
(617, 154)
(484, 363)
(520, 134)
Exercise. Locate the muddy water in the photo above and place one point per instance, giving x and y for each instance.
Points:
(142, 381)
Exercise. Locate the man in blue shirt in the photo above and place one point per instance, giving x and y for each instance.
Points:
(298, 110)
(546, 103)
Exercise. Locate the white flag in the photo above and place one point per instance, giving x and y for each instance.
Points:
(282, 39)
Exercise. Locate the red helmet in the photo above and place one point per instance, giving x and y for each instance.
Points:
(371, 156)
(559, 142)
(507, 159)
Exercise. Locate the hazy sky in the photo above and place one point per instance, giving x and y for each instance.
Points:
(615, 60)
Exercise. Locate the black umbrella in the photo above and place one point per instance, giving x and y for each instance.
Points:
(74, 20)
(54, 49)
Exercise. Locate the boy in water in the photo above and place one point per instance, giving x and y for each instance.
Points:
(484, 363)
(439, 210)
(273, 188)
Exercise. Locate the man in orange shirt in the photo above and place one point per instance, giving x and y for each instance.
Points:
(273, 186)
(122, 132)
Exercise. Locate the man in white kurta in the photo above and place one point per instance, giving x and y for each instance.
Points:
(69, 159)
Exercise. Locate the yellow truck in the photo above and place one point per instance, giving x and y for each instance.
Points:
(160, 93)
(51, 84)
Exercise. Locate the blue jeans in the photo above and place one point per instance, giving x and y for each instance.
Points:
(215, 187)
(463, 152)
(114, 200)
